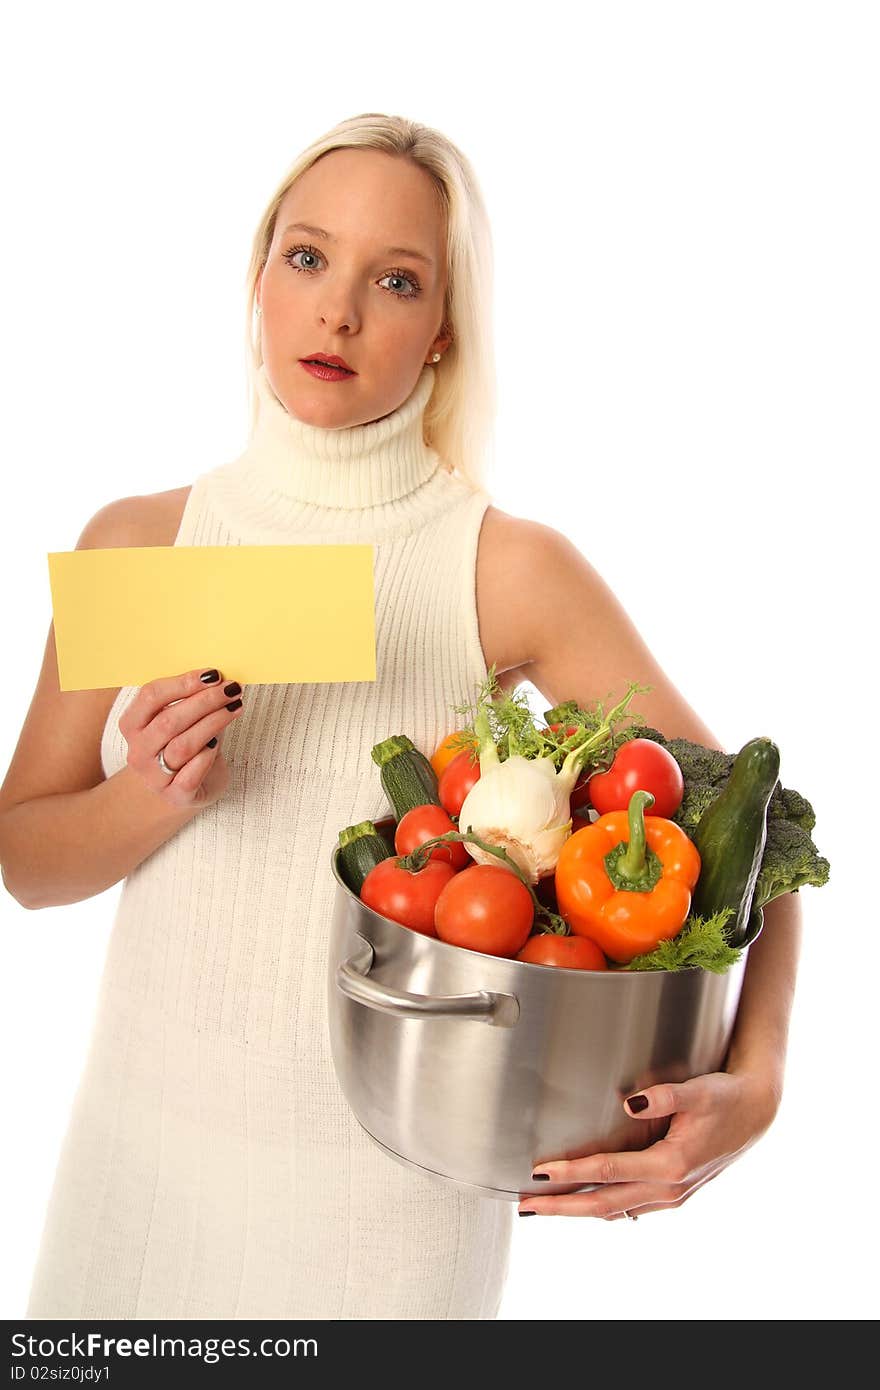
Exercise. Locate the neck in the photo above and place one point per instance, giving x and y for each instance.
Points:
(355, 467)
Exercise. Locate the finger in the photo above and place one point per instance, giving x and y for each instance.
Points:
(156, 694)
(181, 728)
(656, 1101)
(190, 776)
(659, 1162)
(612, 1203)
(603, 1203)
(178, 748)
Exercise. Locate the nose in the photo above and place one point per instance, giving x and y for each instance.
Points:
(338, 309)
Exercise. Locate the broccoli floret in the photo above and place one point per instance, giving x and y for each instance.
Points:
(790, 861)
(699, 764)
(698, 797)
(705, 772)
(791, 806)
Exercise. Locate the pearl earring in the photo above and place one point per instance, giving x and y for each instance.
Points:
(436, 357)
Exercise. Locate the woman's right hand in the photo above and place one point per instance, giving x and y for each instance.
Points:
(180, 715)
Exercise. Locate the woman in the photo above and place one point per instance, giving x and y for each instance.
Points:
(212, 1167)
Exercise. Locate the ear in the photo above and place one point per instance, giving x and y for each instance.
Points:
(443, 339)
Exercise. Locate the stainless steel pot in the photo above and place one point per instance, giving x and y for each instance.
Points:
(474, 1068)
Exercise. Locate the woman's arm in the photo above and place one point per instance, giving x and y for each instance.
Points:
(586, 647)
(760, 1035)
(583, 642)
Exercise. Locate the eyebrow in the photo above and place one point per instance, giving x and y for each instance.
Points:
(328, 236)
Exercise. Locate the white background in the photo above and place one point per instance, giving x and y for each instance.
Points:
(684, 207)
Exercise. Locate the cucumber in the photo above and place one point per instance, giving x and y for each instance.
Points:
(361, 848)
(407, 776)
(731, 836)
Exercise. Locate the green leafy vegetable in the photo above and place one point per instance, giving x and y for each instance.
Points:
(700, 945)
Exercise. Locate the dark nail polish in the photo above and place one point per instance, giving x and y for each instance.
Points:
(540, 1177)
(233, 689)
(528, 1213)
(209, 677)
(212, 743)
(236, 704)
(638, 1102)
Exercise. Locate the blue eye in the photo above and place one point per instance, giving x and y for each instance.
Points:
(391, 274)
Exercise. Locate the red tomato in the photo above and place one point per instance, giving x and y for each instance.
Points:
(485, 908)
(423, 823)
(456, 780)
(580, 792)
(639, 764)
(409, 899)
(576, 952)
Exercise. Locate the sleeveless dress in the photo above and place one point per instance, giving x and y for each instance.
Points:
(212, 1167)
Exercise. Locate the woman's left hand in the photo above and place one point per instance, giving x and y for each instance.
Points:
(715, 1118)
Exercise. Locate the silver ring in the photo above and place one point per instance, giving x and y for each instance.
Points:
(164, 766)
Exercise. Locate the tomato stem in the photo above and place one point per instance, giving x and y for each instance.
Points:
(418, 857)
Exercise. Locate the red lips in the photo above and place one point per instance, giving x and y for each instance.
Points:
(331, 361)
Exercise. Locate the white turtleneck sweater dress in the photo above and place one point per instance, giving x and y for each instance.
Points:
(212, 1167)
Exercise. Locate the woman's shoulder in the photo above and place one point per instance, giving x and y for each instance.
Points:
(158, 514)
(513, 537)
(149, 519)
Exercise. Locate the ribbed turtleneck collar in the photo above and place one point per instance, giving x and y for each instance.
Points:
(352, 467)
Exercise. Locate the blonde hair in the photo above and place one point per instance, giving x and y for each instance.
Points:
(459, 418)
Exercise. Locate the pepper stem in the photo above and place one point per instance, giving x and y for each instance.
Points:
(632, 863)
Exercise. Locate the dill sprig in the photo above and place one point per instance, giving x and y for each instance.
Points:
(700, 945)
(514, 731)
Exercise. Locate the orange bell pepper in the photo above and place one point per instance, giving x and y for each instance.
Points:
(626, 880)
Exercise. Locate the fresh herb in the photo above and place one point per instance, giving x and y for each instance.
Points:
(507, 720)
(700, 945)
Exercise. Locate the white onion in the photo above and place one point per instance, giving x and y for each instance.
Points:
(523, 806)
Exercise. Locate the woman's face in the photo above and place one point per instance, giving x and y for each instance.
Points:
(346, 293)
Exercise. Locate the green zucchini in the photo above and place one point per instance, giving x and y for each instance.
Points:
(407, 776)
(361, 848)
(731, 836)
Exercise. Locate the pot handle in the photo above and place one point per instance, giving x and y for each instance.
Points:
(484, 1006)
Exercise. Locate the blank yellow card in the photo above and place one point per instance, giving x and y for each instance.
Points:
(262, 614)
